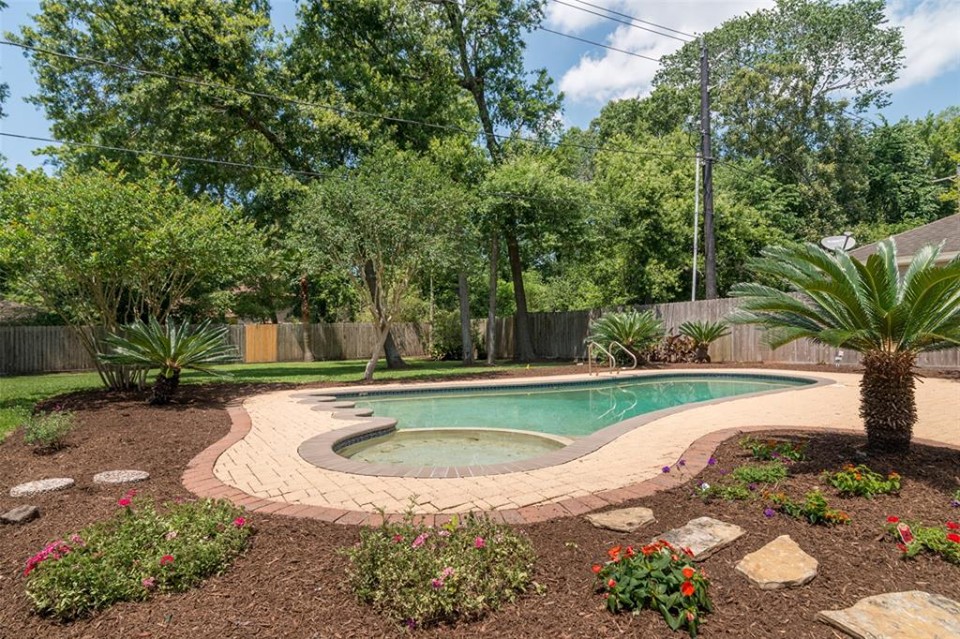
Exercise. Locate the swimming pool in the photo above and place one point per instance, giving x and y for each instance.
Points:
(565, 409)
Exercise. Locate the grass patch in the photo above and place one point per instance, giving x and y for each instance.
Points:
(19, 394)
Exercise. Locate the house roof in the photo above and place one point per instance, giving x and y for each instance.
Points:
(946, 230)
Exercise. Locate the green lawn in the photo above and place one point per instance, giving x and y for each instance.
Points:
(19, 394)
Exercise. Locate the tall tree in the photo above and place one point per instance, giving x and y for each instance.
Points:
(485, 40)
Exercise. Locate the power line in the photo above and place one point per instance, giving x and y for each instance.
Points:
(634, 18)
(597, 44)
(170, 156)
(343, 110)
(629, 23)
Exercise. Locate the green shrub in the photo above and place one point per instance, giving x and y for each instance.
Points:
(728, 491)
(422, 575)
(636, 331)
(447, 341)
(135, 553)
(814, 509)
(774, 449)
(943, 541)
(704, 333)
(769, 473)
(48, 431)
(658, 577)
(862, 482)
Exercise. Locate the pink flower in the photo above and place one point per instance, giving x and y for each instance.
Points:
(422, 537)
(124, 502)
(479, 543)
(437, 583)
(444, 533)
(166, 559)
(170, 536)
(149, 583)
(397, 538)
(77, 540)
(239, 522)
(446, 572)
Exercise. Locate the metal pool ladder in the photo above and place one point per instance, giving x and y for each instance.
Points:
(608, 351)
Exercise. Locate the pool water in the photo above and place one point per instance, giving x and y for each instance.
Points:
(574, 410)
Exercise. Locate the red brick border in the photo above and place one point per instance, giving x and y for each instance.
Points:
(199, 479)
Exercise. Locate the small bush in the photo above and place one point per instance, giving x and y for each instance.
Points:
(48, 431)
(658, 577)
(137, 552)
(725, 491)
(814, 509)
(422, 575)
(770, 473)
(862, 482)
(447, 341)
(674, 349)
(634, 330)
(774, 449)
(955, 502)
(943, 541)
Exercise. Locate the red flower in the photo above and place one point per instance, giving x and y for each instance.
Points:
(123, 501)
(688, 552)
(611, 584)
(689, 572)
(893, 520)
(952, 525)
(239, 522)
(954, 537)
(614, 553)
(166, 559)
(902, 547)
(596, 568)
(686, 589)
(630, 552)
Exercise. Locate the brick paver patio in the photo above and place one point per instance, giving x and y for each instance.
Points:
(257, 465)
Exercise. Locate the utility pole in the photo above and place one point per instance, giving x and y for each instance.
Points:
(709, 240)
(696, 226)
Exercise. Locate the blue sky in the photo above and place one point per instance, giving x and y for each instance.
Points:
(591, 76)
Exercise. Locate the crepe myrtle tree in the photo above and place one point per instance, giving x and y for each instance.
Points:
(387, 221)
(869, 307)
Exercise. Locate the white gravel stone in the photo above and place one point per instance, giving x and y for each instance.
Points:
(120, 476)
(41, 486)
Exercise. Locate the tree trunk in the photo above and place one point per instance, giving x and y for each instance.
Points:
(306, 342)
(887, 403)
(372, 363)
(466, 338)
(523, 346)
(492, 299)
(164, 388)
(702, 353)
(394, 359)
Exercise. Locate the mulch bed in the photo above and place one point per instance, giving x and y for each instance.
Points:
(290, 583)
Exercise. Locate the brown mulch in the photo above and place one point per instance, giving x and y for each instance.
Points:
(290, 583)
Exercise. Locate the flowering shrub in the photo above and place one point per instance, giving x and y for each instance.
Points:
(727, 491)
(863, 482)
(659, 577)
(774, 449)
(133, 554)
(769, 473)
(814, 509)
(939, 540)
(48, 431)
(955, 502)
(422, 575)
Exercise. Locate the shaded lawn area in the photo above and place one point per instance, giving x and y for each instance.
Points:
(19, 394)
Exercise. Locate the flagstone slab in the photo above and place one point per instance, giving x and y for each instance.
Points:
(704, 536)
(20, 514)
(779, 564)
(623, 519)
(41, 486)
(120, 476)
(898, 615)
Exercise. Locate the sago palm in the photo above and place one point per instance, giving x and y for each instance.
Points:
(170, 348)
(704, 333)
(635, 331)
(870, 307)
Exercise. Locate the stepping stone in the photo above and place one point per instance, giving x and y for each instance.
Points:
(898, 615)
(779, 564)
(703, 536)
(343, 404)
(41, 486)
(120, 476)
(20, 514)
(622, 520)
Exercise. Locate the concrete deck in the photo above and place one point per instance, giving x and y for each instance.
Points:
(258, 464)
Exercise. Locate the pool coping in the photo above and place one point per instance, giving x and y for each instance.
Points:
(320, 450)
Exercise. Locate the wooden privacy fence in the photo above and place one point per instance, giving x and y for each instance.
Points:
(34, 349)
(39, 349)
(562, 336)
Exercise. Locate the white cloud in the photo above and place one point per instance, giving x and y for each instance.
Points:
(930, 30)
(931, 35)
(610, 75)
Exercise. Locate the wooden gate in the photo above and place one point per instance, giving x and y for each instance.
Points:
(260, 341)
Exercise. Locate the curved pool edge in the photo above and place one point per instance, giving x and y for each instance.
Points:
(320, 450)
